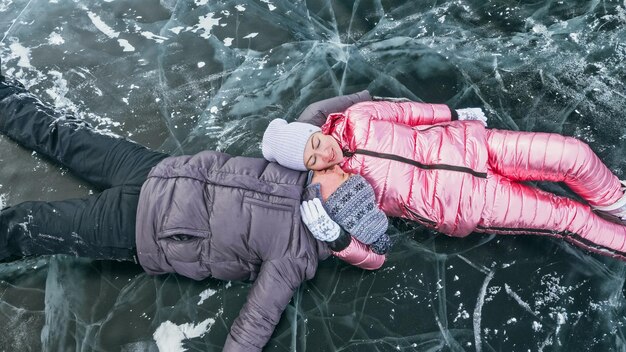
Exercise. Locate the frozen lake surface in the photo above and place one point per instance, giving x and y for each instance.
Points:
(183, 76)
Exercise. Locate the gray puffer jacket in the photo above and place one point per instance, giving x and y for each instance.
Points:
(230, 218)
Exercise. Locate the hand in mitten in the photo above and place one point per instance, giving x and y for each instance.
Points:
(472, 114)
(381, 245)
(316, 219)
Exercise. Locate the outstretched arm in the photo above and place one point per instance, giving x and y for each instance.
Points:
(268, 298)
(317, 113)
(407, 113)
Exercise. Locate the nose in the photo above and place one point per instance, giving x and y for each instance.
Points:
(327, 155)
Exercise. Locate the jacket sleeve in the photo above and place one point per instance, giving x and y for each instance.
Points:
(360, 255)
(317, 113)
(270, 294)
(407, 113)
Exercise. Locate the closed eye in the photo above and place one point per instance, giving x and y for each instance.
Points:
(312, 158)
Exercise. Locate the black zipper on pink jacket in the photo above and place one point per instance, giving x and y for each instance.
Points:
(420, 219)
(424, 221)
(416, 163)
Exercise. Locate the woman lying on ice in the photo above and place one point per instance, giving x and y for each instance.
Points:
(442, 168)
(203, 215)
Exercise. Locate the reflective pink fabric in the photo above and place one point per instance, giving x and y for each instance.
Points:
(422, 133)
(534, 156)
(456, 202)
(517, 208)
(360, 255)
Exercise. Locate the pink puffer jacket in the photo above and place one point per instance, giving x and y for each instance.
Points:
(423, 166)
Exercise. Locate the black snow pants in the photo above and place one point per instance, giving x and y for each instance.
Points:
(101, 226)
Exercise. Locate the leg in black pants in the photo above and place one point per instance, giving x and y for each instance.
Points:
(101, 226)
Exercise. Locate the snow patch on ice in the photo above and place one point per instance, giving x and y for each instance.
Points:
(269, 5)
(126, 45)
(55, 39)
(102, 27)
(206, 23)
(169, 336)
(60, 89)
(176, 30)
(206, 294)
(157, 38)
(21, 52)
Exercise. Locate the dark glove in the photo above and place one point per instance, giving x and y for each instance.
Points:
(341, 243)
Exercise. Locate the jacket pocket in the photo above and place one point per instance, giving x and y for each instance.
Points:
(268, 205)
(183, 245)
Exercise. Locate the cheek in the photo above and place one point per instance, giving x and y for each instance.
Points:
(328, 141)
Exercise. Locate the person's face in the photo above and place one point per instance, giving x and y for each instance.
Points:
(329, 179)
(321, 152)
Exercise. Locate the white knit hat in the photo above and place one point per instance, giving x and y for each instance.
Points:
(284, 142)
